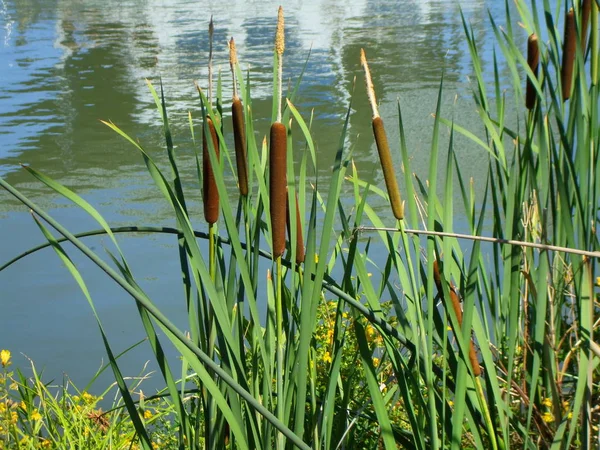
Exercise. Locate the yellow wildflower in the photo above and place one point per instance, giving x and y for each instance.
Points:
(548, 417)
(87, 397)
(3, 407)
(5, 358)
(155, 446)
(327, 357)
(547, 402)
(330, 335)
(375, 361)
(147, 414)
(14, 417)
(370, 332)
(23, 406)
(46, 443)
(316, 258)
(36, 415)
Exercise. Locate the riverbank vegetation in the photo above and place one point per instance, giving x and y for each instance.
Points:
(318, 321)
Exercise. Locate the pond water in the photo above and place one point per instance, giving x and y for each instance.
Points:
(65, 64)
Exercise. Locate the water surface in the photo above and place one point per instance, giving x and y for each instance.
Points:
(66, 64)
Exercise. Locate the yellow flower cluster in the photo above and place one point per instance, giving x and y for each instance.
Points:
(5, 358)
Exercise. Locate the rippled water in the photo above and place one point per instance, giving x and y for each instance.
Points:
(66, 64)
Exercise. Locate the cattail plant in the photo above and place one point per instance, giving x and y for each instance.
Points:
(454, 299)
(278, 155)
(278, 201)
(299, 236)
(239, 132)
(459, 316)
(568, 57)
(382, 145)
(533, 60)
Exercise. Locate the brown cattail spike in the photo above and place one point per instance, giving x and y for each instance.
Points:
(239, 137)
(210, 194)
(586, 10)
(299, 236)
(458, 311)
(388, 169)
(277, 186)
(568, 59)
(533, 60)
(383, 148)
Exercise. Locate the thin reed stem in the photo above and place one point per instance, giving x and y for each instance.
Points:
(280, 347)
(554, 248)
(211, 29)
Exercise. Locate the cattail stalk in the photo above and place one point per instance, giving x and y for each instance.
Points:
(533, 60)
(239, 130)
(568, 57)
(299, 236)
(278, 157)
(383, 147)
(472, 354)
(211, 30)
(278, 201)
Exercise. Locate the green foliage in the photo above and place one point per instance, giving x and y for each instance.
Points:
(340, 351)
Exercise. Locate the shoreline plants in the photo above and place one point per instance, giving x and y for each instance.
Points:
(453, 341)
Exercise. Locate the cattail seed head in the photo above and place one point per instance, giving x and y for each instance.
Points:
(389, 176)
(533, 60)
(210, 194)
(239, 137)
(586, 10)
(277, 186)
(300, 252)
(568, 59)
(279, 33)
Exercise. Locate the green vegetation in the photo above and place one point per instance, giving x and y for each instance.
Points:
(448, 341)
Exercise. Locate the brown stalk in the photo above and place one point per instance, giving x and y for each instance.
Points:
(458, 311)
(299, 237)
(278, 186)
(383, 147)
(239, 131)
(210, 193)
(568, 59)
(533, 60)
